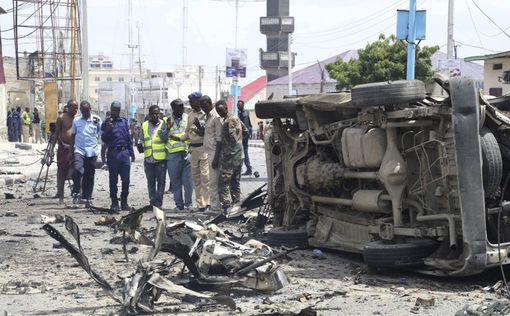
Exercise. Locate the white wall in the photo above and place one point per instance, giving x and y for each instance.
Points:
(491, 77)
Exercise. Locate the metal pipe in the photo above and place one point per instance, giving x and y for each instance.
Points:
(331, 200)
(437, 217)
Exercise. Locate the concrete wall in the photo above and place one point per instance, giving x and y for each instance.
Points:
(492, 76)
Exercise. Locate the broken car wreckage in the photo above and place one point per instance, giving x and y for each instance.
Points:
(406, 179)
(211, 258)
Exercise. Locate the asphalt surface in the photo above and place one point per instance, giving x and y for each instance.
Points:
(39, 278)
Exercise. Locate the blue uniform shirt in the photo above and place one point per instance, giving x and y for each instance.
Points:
(86, 132)
(118, 136)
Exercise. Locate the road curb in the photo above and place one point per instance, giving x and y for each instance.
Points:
(256, 145)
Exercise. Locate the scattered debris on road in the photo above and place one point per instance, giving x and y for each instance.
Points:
(213, 261)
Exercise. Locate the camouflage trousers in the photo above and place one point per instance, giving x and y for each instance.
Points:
(230, 185)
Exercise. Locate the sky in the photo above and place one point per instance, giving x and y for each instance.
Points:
(323, 28)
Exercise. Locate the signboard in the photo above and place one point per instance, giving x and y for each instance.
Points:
(236, 62)
(450, 67)
(50, 103)
(403, 24)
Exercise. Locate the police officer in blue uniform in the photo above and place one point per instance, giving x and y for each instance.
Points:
(120, 154)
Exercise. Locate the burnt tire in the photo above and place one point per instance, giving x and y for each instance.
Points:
(492, 162)
(275, 109)
(387, 93)
(382, 253)
(290, 238)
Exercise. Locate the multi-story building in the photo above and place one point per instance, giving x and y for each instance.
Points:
(496, 74)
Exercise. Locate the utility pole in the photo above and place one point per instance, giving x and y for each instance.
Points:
(85, 50)
(289, 65)
(216, 79)
(450, 43)
(131, 46)
(140, 67)
(411, 45)
(74, 35)
(200, 71)
(322, 76)
(184, 31)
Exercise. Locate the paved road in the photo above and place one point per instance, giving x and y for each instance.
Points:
(39, 279)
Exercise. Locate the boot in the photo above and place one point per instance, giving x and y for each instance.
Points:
(124, 203)
(247, 173)
(115, 204)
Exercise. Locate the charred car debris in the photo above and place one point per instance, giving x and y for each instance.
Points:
(212, 260)
(406, 179)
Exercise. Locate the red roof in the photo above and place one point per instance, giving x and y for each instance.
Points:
(250, 90)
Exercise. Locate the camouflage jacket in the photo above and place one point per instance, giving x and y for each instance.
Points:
(232, 142)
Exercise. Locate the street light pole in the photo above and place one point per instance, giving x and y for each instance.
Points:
(85, 50)
(450, 43)
(289, 65)
(411, 45)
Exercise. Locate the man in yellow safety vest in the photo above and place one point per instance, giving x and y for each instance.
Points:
(178, 157)
(155, 155)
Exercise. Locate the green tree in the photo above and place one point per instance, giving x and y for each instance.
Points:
(382, 60)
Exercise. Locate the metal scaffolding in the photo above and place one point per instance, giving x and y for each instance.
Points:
(47, 39)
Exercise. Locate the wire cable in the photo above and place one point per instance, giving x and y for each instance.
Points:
(474, 25)
(346, 27)
(488, 17)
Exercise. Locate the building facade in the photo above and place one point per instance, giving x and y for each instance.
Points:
(496, 73)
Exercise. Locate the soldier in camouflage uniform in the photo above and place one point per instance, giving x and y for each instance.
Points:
(232, 156)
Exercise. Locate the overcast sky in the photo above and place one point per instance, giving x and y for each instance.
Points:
(323, 28)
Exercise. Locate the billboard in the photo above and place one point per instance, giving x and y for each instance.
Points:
(236, 62)
(450, 67)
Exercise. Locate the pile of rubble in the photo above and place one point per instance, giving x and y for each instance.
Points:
(210, 261)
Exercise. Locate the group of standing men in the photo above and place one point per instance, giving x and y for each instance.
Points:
(78, 148)
(202, 150)
(19, 125)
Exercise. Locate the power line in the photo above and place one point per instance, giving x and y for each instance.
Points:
(488, 17)
(474, 46)
(473, 22)
(494, 35)
(346, 27)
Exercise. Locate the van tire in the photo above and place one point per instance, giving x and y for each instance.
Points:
(387, 93)
(275, 109)
(384, 253)
(492, 162)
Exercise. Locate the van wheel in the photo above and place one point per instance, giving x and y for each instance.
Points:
(387, 93)
(275, 109)
(492, 162)
(384, 253)
(290, 238)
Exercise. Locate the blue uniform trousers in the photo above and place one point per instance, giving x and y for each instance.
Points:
(179, 171)
(119, 164)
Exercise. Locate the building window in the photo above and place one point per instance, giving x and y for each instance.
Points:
(497, 66)
(497, 92)
(109, 79)
(506, 76)
(121, 79)
(97, 79)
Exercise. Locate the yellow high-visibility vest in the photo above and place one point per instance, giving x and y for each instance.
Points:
(173, 146)
(154, 146)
